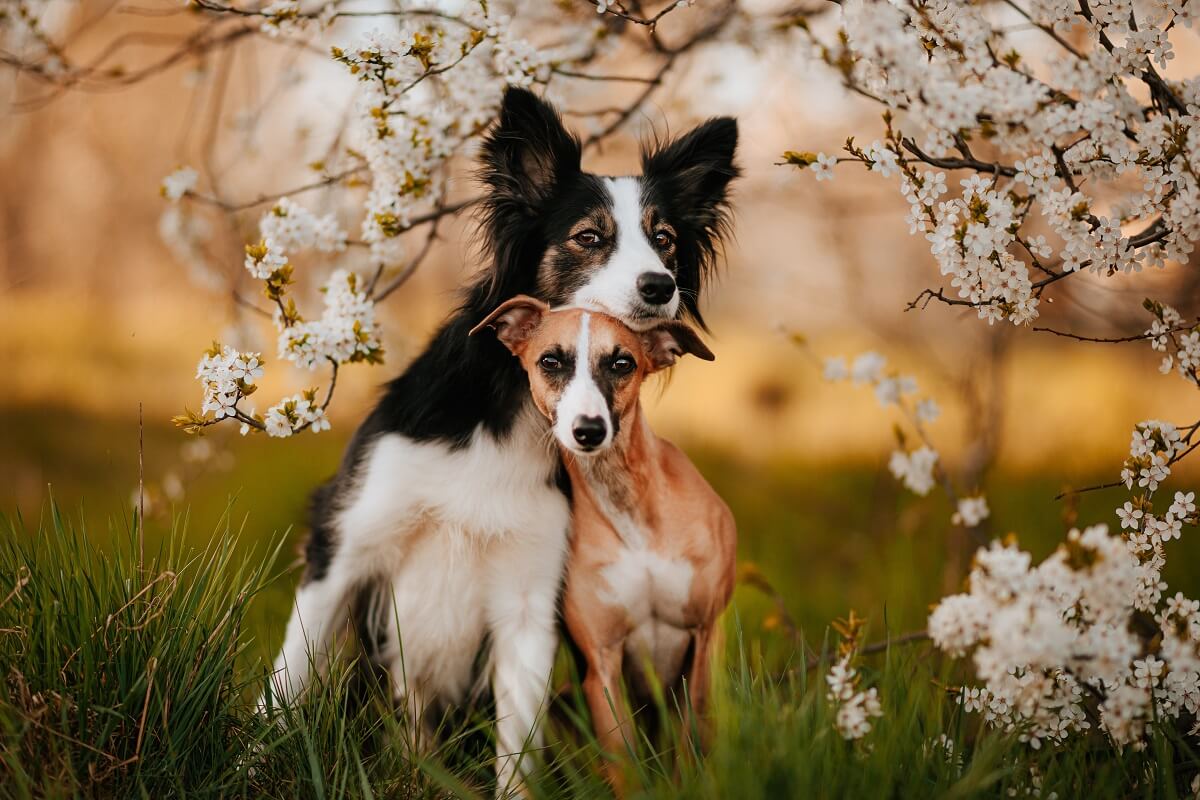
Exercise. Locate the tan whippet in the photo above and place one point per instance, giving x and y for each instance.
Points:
(651, 565)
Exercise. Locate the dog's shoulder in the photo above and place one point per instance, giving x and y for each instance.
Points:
(456, 384)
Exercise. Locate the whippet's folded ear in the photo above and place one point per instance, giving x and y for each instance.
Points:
(514, 321)
(668, 340)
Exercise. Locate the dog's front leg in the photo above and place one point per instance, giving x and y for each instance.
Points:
(318, 610)
(698, 681)
(523, 625)
(610, 720)
(368, 533)
(523, 658)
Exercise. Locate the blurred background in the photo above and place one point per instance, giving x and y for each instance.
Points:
(100, 318)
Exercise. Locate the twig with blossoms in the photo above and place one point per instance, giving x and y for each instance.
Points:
(1179, 342)
(855, 707)
(1085, 640)
(1088, 638)
(618, 9)
(919, 469)
(1075, 145)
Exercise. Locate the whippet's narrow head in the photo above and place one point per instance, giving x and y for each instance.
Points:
(585, 367)
(637, 247)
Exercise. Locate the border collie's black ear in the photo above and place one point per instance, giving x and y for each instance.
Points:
(668, 340)
(514, 320)
(697, 167)
(528, 151)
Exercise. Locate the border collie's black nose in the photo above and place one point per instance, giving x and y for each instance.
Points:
(656, 288)
(589, 431)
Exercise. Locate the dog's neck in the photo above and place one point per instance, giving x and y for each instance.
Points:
(619, 480)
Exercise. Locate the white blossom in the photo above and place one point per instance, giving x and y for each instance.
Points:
(915, 469)
(345, 333)
(835, 369)
(179, 183)
(855, 708)
(867, 368)
(265, 259)
(927, 410)
(291, 227)
(971, 511)
(822, 168)
(226, 375)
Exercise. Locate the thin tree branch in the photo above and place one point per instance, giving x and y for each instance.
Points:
(1118, 339)
(1114, 484)
(406, 273)
(225, 205)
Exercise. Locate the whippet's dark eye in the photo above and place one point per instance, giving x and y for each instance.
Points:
(551, 363)
(588, 238)
(622, 365)
(663, 240)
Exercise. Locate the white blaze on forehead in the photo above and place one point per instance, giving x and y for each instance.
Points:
(613, 287)
(582, 397)
(633, 247)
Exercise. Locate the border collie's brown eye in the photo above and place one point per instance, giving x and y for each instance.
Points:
(588, 238)
(663, 240)
(551, 363)
(622, 365)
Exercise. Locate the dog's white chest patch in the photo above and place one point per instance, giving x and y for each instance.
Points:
(470, 540)
(650, 586)
(488, 488)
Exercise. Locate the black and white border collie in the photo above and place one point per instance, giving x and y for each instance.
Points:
(450, 512)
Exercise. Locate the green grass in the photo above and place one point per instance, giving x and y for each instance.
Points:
(827, 537)
(123, 680)
(77, 640)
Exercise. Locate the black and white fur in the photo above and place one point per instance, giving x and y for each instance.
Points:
(451, 508)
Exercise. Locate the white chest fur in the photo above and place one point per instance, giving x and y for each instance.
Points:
(491, 487)
(653, 590)
(649, 586)
(471, 540)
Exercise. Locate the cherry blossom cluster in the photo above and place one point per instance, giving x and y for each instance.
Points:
(345, 334)
(290, 226)
(1078, 154)
(427, 85)
(408, 130)
(1178, 341)
(23, 33)
(227, 376)
(854, 706)
(1090, 637)
(294, 414)
(918, 469)
(179, 183)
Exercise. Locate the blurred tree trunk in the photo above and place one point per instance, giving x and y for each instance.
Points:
(983, 393)
(19, 146)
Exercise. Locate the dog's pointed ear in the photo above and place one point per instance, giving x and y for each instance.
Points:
(668, 340)
(528, 151)
(514, 321)
(697, 168)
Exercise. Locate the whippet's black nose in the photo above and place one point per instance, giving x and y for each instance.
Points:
(589, 431)
(656, 288)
